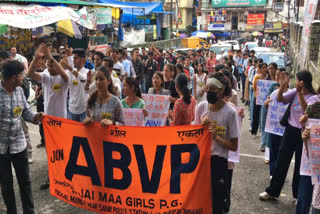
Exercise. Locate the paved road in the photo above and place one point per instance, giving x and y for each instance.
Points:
(251, 176)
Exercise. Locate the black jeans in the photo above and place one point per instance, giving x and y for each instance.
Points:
(21, 166)
(275, 142)
(227, 202)
(243, 81)
(291, 142)
(256, 117)
(219, 167)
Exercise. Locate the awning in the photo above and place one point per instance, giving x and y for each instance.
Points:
(136, 8)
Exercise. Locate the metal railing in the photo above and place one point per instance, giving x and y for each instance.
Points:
(165, 44)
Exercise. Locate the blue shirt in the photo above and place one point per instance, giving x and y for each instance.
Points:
(12, 108)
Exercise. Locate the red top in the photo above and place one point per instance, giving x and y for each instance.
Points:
(183, 114)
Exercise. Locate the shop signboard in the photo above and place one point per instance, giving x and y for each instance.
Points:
(255, 19)
(238, 3)
(216, 27)
(104, 16)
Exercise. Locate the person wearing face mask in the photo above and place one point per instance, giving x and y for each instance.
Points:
(219, 116)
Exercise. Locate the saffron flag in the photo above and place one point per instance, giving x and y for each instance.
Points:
(123, 169)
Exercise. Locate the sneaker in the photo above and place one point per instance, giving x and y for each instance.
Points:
(254, 136)
(45, 185)
(250, 130)
(266, 161)
(41, 145)
(265, 196)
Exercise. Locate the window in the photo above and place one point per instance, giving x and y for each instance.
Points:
(241, 17)
(228, 16)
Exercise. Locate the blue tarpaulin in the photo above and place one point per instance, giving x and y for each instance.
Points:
(140, 8)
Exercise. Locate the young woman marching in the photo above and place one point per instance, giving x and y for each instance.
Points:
(103, 105)
(199, 81)
(299, 99)
(183, 110)
(262, 75)
(219, 115)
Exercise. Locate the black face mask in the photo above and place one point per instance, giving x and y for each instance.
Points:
(212, 97)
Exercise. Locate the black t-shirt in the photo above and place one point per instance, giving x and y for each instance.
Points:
(171, 85)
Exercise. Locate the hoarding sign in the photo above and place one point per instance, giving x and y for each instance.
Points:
(238, 3)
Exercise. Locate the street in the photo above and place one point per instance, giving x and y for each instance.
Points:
(250, 178)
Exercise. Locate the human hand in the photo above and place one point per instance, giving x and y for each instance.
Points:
(39, 52)
(106, 122)
(89, 76)
(284, 80)
(46, 51)
(213, 129)
(38, 118)
(64, 63)
(268, 100)
(145, 113)
(87, 121)
(205, 121)
(304, 119)
(306, 134)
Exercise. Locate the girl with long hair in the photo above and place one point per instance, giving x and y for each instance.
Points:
(103, 105)
(183, 110)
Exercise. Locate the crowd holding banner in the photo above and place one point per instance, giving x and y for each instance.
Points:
(108, 106)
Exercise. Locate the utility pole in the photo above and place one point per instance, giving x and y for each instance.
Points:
(288, 21)
(297, 18)
(171, 20)
(177, 18)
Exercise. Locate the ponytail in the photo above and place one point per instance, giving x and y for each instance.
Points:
(182, 84)
(186, 95)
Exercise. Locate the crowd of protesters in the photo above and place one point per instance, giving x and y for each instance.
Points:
(90, 86)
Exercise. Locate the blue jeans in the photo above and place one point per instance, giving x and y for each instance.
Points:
(304, 195)
(77, 117)
(251, 107)
(263, 119)
(275, 142)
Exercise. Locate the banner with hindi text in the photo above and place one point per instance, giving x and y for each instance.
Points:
(262, 91)
(122, 169)
(275, 113)
(33, 15)
(133, 117)
(158, 108)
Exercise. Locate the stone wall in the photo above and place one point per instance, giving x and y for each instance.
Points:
(313, 50)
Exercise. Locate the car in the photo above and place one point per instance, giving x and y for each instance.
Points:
(235, 44)
(251, 45)
(259, 50)
(220, 49)
(277, 57)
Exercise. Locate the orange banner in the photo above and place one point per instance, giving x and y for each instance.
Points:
(122, 169)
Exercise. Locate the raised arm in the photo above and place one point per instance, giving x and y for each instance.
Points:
(57, 66)
(284, 82)
(34, 64)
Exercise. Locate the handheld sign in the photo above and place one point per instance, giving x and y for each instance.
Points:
(235, 156)
(157, 107)
(275, 113)
(133, 117)
(314, 150)
(123, 169)
(262, 91)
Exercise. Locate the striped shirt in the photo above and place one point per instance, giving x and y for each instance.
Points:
(12, 108)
